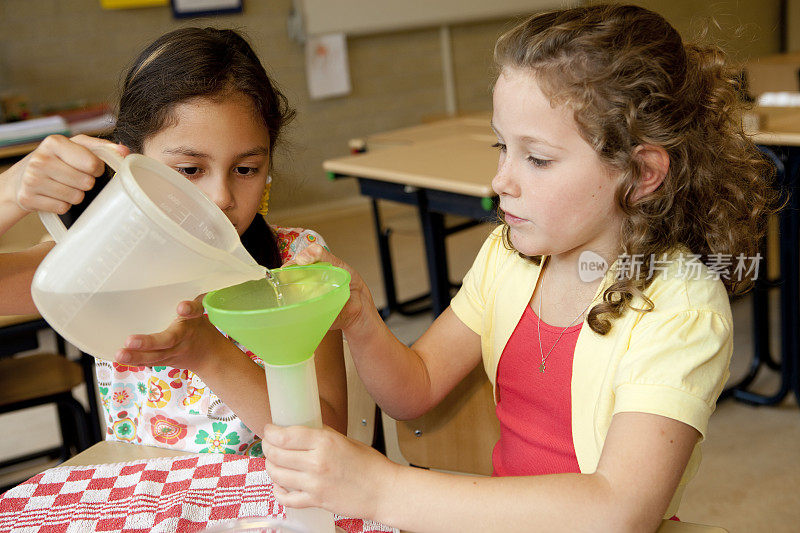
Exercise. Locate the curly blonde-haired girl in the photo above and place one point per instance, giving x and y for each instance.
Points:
(621, 147)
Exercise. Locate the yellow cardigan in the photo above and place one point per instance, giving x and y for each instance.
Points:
(672, 361)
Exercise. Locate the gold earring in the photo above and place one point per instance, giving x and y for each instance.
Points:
(263, 207)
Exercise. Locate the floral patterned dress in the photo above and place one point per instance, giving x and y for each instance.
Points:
(172, 408)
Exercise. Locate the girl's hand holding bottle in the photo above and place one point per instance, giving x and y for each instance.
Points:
(190, 336)
(55, 176)
(323, 468)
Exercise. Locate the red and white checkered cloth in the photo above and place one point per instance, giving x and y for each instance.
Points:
(183, 494)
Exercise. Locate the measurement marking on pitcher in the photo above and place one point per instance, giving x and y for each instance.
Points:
(89, 282)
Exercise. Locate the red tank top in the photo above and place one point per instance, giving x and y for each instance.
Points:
(535, 408)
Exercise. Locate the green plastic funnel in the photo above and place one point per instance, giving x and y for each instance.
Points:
(284, 334)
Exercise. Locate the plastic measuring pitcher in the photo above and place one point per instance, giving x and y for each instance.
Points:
(148, 241)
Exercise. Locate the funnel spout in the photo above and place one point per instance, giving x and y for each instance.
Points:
(294, 395)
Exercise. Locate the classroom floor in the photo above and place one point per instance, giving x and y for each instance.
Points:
(749, 480)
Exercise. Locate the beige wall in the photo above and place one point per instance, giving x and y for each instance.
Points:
(746, 28)
(57, 51)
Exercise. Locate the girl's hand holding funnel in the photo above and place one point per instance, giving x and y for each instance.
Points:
(317, 467)
(360, 302)
(192, 343)
(284, 329)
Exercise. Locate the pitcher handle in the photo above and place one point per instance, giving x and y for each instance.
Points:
(54, 226)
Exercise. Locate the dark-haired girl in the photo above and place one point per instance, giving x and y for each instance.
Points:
(200, 101)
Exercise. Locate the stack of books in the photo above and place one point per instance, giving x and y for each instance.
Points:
(94, 120)
(32, 130)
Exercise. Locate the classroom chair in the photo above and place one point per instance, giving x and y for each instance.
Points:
(361, 408)
(40, 379)
(457, 435)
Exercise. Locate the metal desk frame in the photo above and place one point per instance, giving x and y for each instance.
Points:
(432, 206)
(787, 160)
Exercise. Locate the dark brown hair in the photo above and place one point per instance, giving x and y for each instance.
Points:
(630, 80)
(201, 62)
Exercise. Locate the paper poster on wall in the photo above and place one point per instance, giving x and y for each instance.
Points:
(326, 65)
(129, 4)
(198, 8)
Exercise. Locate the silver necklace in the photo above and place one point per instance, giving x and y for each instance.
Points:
(539, 323)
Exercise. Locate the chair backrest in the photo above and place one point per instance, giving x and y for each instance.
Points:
(360, 405)
(25, 379)
(457, 435)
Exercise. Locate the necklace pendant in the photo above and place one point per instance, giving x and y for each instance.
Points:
(541, 367)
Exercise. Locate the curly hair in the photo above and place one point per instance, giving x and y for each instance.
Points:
(630, 80)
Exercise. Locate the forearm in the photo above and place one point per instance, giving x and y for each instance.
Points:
(394, 374)
(241, 384)
(644, 457)
(16, 275)
(10, 212)
(427, 501)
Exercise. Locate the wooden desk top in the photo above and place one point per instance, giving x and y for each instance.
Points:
(17, 150)
(11, 320)
(478, 123)
(119, 452)
(470, 124)
(777, 139)
(451, 155)
(463, 164)
(23, 149)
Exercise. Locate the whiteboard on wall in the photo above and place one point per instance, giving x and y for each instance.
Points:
(359, 17)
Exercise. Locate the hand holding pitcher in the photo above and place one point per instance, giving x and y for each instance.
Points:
(52, 178)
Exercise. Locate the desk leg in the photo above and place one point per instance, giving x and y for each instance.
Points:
(409, 307)
(386, 261)
(433, 231)
(87, 363)
(788, 317)
(792, 351)
(762, 314)
(378, 437)
(790, 292)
